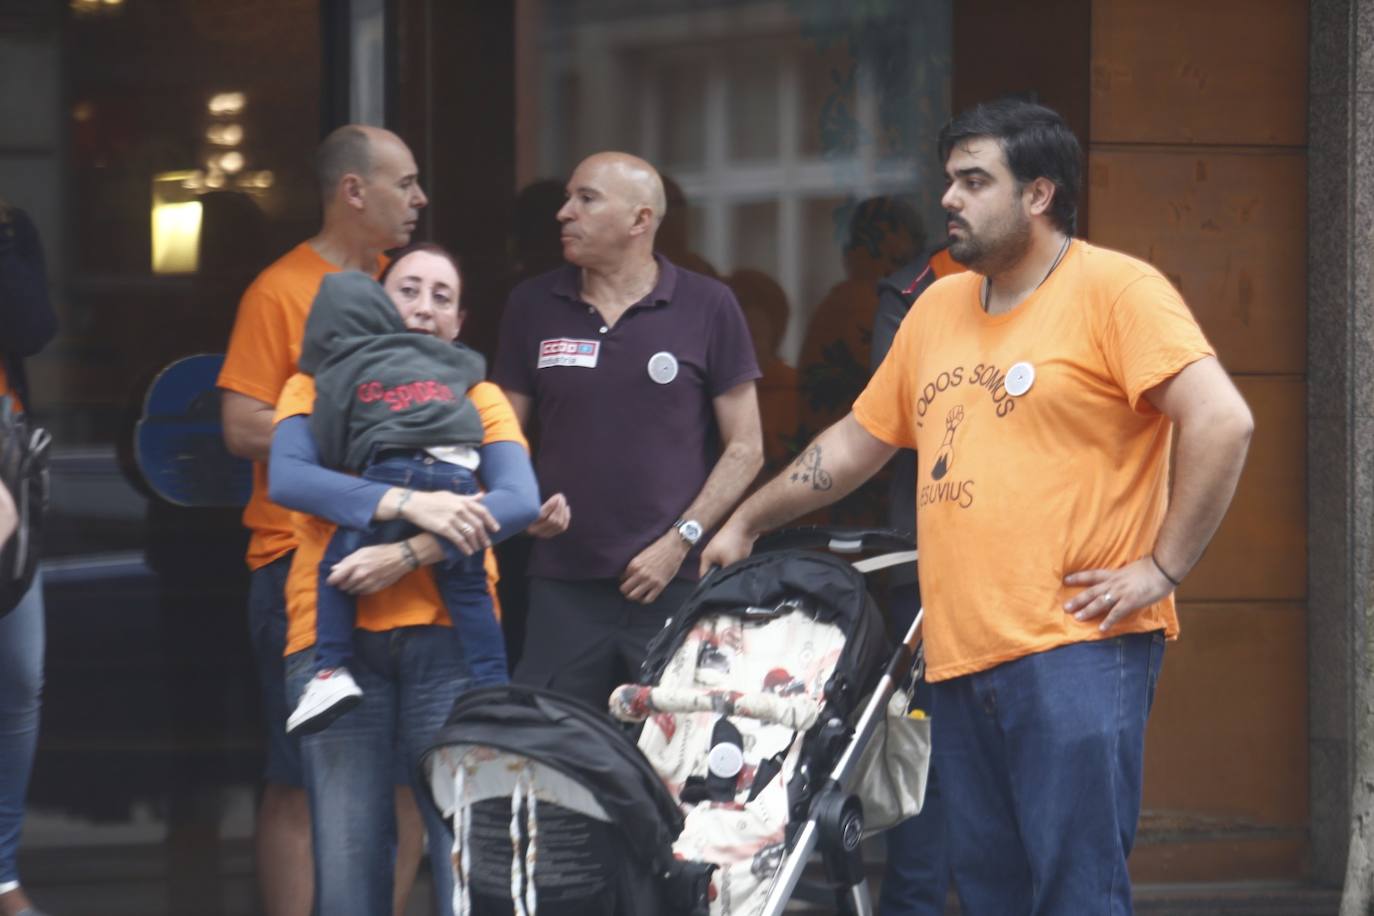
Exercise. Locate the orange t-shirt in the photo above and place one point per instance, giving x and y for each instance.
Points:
(943, 263)
(263, 350)
(1016, 487)
(413, 600)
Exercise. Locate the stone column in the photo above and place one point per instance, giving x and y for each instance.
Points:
(1340, 407)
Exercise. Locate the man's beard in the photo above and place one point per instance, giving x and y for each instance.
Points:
(1000, 246)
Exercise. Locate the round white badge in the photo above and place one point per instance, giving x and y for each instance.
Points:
(725, 760)
(1020, 377)
(663, 367)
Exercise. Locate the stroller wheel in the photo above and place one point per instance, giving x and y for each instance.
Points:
(840, 819)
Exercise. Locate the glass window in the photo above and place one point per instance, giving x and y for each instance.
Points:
(798, 143)
(163, 150)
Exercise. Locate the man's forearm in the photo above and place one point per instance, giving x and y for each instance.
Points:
(836, 463)
(247, 426)
(737, 467)
(1207, 466)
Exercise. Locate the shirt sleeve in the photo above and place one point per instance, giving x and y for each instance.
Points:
(730, 357)
(259, 359)
(297, 480)
(297, 397)
(499, 423)
(512, 493)
(1150, 336)
(882, 407)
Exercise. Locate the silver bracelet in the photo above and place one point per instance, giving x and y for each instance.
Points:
(408, 554)
(401, 503)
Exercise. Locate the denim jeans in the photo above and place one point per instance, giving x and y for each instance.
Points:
(461, 580)
(1040, 761)
(21, 687)
(267, 630)
(916, 877)
(410, 677)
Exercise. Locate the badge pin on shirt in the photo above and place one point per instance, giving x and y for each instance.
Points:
(663, 367)
(1019, 379)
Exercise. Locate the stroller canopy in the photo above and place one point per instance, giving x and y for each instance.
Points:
(577, 741)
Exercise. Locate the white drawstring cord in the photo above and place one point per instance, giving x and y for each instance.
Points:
(462, 854)
(523, 893)
(517, 794)
(531, 852)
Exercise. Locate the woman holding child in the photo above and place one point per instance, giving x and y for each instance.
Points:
(404, 664)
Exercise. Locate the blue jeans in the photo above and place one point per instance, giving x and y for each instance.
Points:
(461, 580)
(916, 877)
(21, 688)
(1040, 761)
(267, 630)
(410, 677)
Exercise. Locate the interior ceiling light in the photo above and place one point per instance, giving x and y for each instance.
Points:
(226, 103)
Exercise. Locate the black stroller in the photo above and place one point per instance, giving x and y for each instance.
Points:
(759, 698)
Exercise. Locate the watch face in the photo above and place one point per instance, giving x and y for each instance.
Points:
(690, 531)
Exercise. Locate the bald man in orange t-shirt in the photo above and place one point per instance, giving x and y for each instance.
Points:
(372, 200)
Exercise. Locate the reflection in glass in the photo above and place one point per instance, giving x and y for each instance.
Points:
(756, 236)
(682, 107)
(775, 120)
(752, 129)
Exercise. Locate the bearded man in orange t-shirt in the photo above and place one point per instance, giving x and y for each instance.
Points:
(1041, 391)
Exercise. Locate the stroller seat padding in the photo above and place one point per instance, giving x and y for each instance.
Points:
(769, 678)
(635, 703)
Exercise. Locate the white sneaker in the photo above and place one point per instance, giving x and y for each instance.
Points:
(330, 693)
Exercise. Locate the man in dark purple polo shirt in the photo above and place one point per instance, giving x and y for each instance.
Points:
(642, 377)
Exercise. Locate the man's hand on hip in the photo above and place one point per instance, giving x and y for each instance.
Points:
(653, 568)
(1118, 593)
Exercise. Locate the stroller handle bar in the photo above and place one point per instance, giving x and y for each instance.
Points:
(842, 776)
(837, 539)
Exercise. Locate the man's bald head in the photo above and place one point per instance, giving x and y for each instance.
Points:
(614, 207)
(369, 182)
(633, 178)
(349, 150)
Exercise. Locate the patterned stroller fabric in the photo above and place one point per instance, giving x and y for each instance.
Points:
(768, 672)
(726, 667)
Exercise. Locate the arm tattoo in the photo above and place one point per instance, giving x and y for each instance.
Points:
(807, 469)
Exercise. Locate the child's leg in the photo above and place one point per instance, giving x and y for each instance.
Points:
(335, 609)
(331, 690)
(463, 585)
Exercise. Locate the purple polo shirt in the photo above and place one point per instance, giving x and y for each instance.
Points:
(626, 426)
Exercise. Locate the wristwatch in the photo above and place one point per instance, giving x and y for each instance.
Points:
(689, 529)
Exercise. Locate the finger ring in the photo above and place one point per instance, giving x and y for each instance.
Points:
(465, 528)
(1107, 597)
